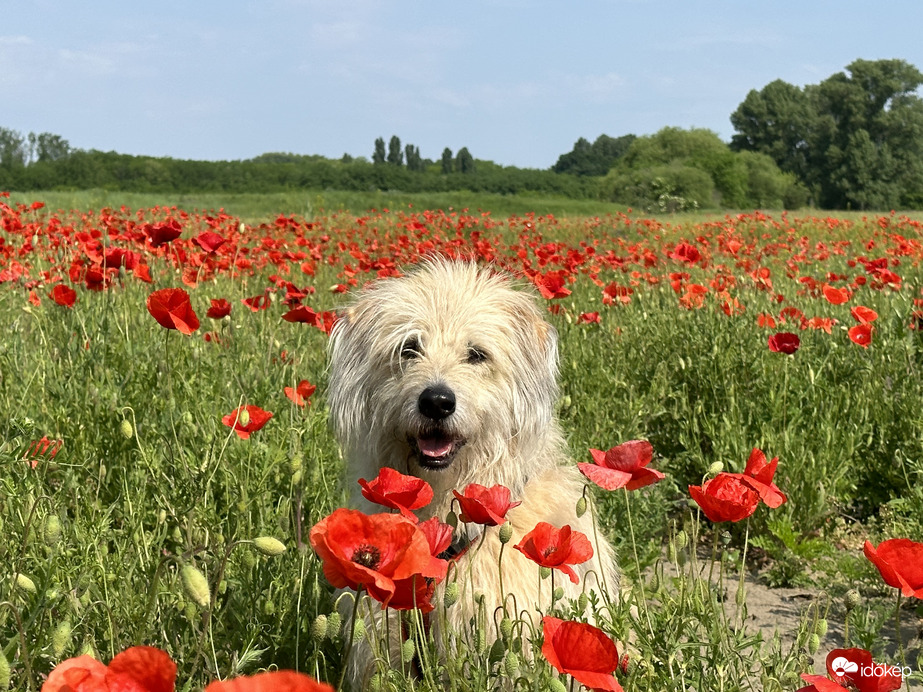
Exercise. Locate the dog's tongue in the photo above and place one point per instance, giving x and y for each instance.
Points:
(435, 446)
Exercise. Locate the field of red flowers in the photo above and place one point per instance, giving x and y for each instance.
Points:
(167, 461)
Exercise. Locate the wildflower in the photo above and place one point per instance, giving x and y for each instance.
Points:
(548, 546)
(300, 394)
(900, 562)
(725, 497)
(271, 681)
(246, 420)
(173, 310)
(137, 669)
(487, 506)
(758, 475)
(836, 296)
(582, 651)
(220, 307)
(63, 295)
(784, 342)
(209, 241)
(861, 334)
(623, 466)
(391, 488)
(863, 315)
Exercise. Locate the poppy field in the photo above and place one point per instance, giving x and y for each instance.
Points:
(743, 394)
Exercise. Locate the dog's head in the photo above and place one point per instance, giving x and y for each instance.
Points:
(448, 370)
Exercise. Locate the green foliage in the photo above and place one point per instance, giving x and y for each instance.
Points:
(593, 159)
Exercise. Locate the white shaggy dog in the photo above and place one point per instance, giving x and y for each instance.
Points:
(449, 374)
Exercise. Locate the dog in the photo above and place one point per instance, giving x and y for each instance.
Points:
(449, 373)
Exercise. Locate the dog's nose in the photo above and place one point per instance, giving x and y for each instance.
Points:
(437, 402)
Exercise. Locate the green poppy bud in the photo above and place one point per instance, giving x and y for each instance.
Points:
(126, 429)
(52, 530)
(4, 673)
(715, 468)
(581, 506)
(196, 585)
(506, 628)
(269, 546)
(319, 628)
(407, 651)
(25, 583)
(506, 533)
(450, 597)
(544, 572)
(555, 685)
(358, 630)
(852, 599)
(60, 638)
(334, 621)
(511, 664)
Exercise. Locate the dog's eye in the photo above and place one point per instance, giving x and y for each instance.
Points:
(411, 349)
(476, 355)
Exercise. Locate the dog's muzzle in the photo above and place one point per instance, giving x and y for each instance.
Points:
(435, 446)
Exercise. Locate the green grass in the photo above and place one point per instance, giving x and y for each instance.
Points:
(182, 489)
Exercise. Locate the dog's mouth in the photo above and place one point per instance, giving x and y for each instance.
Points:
(435, 449)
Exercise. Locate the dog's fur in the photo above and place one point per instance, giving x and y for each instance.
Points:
(449, 374)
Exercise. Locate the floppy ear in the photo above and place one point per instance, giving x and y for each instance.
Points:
(537, 341)
(348, 406)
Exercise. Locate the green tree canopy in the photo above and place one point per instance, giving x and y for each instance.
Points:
(593, 159)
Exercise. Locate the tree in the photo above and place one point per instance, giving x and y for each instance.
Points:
(464, 161)
(379, 155)
(593, 159)
(13, 149)
(48, 147)
(395, 156)
(447, 162)
(855, 139)
(414, 161)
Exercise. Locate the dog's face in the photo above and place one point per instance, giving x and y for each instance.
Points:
(445, 372)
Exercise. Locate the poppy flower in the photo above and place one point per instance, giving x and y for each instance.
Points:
(209, 241)
(684, 252)
(900, 562)
(758, 475)
(551, 285)
(784, 342)
(582, 651)
(302, 314)
(623, 466)
(819, 683)
(555, 548)
(246, 420)
(863, 315)
(63, 295)
(173, 310)
(391, 488)
(162, 233)
(300, 394)
(271, 681)
(726, 497)
(487, 506)
(588, 318)
(373, 551)
(861, 334)
(137, 669)
(219, 308)
(438, 533)
(257, 303)
(836, 296)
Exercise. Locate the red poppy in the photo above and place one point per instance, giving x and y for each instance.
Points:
(373, 551)
(784, 342)
(556, 548)
(257, 303)
(209, 241)
(271, 681)
(551, 285)
(818, 683)
(863, 315)
(302, 314)
(623, 466)
(582, 651)
(725, 498)
(684, 252)
(246, 420)
(855, 669)
(63, 295)
(836, 296)
(137, 669)
(173, 310)
(900, 562)
(219, 308)
(758, 475)
(163, 233)
(393, 489)
(487, 506)
(300, 394)
(588, 318)
(861, 334)
(438, 533)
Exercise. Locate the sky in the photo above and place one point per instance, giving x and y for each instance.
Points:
(516, 82)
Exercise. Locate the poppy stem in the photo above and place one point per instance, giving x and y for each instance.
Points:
(741, 586)
(634, 549)
(897, 631)
(349, 643)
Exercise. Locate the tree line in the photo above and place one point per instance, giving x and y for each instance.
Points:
(853, 141)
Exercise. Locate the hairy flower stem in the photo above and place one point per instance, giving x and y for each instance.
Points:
(349, 642)
(634, 549)
(897, 632)
(741, 586)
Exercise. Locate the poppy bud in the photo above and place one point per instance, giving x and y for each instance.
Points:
(319, 628)
(557, 594)
(269, 608)
(196, 585)
(813, 644)
(269, 546)
(852, 599)
(555, 685)
(452, 520)
(715, 468)
(52, 530)
(126, 429)
(544, 572)
(511, 664)
(88, 650)
(821, 627)
(480, 640)
(60, 638)
(26, 584)
(4, 673)
(450, 597)
(333, 625)
(506, 628)
(358, 630)
(681, 539)
(243, 418)
(582, 601)
(581, 506)
(506, 533)
(726, 537)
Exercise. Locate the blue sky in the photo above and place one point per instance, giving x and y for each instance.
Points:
(516, 82)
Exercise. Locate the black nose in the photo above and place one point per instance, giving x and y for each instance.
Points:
(437, 402)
